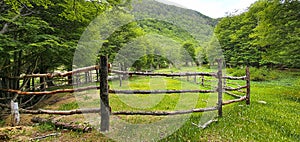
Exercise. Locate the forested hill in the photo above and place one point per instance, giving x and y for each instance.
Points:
(197, 24)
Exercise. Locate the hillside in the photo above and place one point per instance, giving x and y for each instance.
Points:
(195, 23)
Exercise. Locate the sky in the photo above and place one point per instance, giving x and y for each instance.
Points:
(214, 8)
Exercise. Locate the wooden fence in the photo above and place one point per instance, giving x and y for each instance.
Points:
(105, 109)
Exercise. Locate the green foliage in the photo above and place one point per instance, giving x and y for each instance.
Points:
(266, 35)
(41, 36)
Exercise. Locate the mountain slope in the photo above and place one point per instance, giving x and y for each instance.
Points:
(197, 24)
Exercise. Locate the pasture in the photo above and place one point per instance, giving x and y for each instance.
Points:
(273, 114)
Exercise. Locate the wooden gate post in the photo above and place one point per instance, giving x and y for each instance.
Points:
(248, 85)
(104, 100)
(220, 88)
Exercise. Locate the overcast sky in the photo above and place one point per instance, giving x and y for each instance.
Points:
(214, 8)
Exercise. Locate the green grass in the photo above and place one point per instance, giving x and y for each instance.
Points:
(44, 127)
(69, 106)
(277, 120)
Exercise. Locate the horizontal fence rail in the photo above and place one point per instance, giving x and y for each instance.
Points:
(97, 110)
(110, 91)
(102, 77)
(163, 74)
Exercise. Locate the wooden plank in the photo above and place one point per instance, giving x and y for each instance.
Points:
(104, 99)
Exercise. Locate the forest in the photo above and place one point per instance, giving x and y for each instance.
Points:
(40, 37)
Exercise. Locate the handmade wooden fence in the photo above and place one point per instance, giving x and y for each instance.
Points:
(105, 109)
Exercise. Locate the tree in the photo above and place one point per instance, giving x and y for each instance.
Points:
(265, 35)
(34, 34)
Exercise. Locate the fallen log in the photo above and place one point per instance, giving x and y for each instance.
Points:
(62, 124)
(161, 113)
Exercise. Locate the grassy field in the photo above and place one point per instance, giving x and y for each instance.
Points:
(274, 113)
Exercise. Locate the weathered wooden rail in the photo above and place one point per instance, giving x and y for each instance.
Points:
(105, 110)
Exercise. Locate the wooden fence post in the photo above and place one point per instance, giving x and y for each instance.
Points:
(104, 100)
(220, 88)
(120, 76)
(97, 75)
(248, 86)
(15, 115)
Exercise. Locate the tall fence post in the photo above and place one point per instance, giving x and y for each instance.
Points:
(220, 88)
(248, 85)
(104, 100)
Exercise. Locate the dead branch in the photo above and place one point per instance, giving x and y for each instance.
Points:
(45, 136)
(206, 124)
